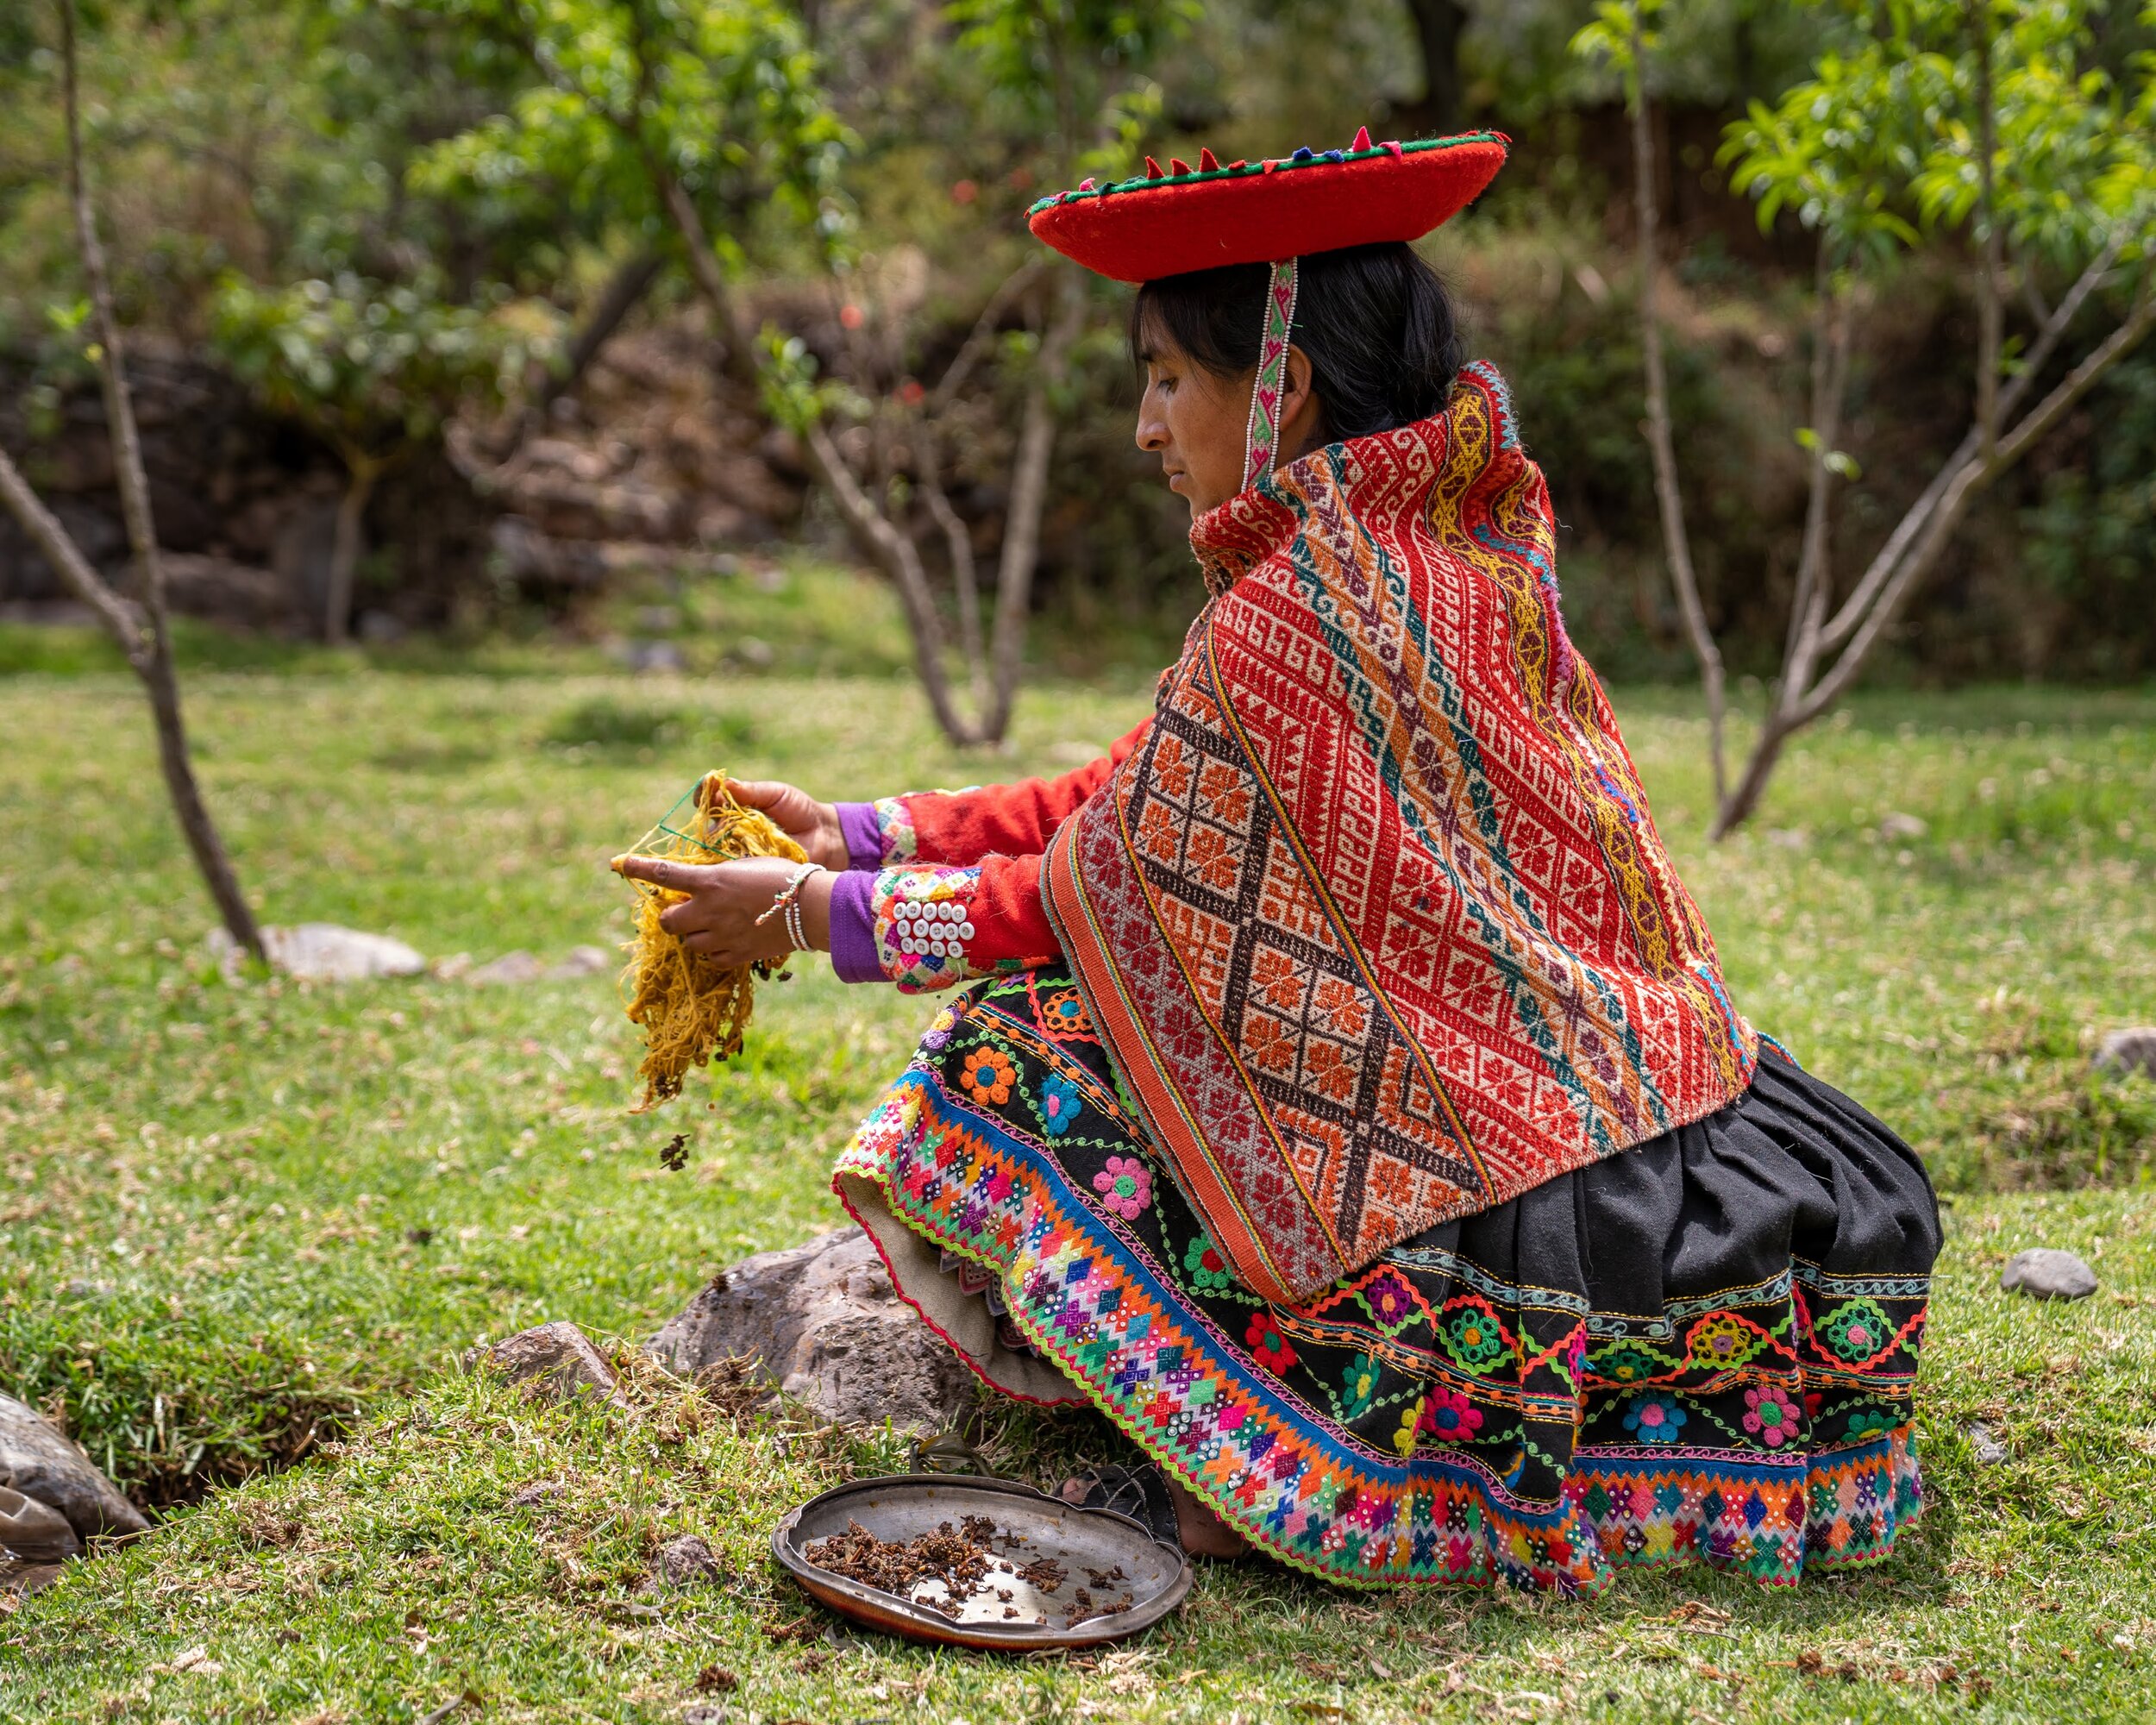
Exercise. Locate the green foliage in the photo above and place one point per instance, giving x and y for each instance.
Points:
(722, 95)
(1883, 141)
(371, 366)
(1058, 63)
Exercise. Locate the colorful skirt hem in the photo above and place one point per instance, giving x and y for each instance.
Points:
(1436, 1418)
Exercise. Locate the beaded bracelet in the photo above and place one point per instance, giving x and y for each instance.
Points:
(787, 906)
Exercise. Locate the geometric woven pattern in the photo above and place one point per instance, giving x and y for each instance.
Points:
(1446, 1414)
(1376, 922)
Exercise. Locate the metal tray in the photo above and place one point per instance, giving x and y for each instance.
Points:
(902, 1507)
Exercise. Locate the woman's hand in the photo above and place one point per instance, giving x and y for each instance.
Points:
(717, 916)
(808, 824)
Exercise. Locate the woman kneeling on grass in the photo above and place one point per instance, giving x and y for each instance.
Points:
(1347, 1102)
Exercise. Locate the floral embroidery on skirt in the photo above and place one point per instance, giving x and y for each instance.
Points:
(1701, 1349)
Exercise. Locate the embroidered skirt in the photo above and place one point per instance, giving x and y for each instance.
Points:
(1701, 1349)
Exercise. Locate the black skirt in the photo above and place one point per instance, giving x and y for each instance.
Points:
(1700, 1349)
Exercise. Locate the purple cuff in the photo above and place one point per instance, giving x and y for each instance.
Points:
(864, 839)
(854, 921)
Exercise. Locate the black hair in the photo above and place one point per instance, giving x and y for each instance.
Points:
(1375, 321)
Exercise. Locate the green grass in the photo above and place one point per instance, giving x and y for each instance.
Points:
(238, 1221)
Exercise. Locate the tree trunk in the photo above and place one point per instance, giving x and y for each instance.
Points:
(149, 647)
(1934, 515)
(893, 551)
(364, 471)
(625, 292)
(1669, 496)
(1438, 25)
(1029, 496)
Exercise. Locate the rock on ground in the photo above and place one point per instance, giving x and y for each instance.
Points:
(1988, 1450)
(556, 1358)
(34, 1533)
(2129, 1050)
(510, 968)
(37, 1460)
(580, 961)
(831, 1331)
(322, 953)
(688, 1561)
(2044, 1272)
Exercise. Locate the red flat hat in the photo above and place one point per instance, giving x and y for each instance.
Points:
(1164, 224)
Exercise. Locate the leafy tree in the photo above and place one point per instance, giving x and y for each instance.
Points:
(1983, 129)
(375, 370)
(712, 113)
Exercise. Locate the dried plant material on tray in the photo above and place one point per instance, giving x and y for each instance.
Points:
(691, 1010)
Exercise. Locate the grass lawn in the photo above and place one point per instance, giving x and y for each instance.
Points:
(246, 1225)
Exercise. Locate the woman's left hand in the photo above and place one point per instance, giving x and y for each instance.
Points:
(718, 913)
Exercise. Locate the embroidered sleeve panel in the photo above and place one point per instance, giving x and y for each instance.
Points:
(924, 917)
(936, 926)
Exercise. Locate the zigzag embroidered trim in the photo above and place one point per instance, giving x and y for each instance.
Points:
(924, 917)
(1438, 1515)
(1261, 436)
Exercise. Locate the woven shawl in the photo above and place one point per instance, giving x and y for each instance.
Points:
(1376, 923)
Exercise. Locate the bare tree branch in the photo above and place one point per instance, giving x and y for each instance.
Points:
(965, 573)
(1989, 308)
(1668, 494)
(1830, 375)
(121, 618)
(143, 635)
(894, 551)
(1029, 493)
(127, 442)
(1957, 485)
(2032, 294)
(983, 333)
(1884, 562)
(1971, 478)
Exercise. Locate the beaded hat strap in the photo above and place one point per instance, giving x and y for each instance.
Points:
(1261, 439)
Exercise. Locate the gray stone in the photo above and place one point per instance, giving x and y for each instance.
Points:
(38, 1461)
(2044, 1272)
(510, 968)
(829, 1331)
(26, 1578)
(34, 1533)
(687, 1561)
(557, 1358)
(322, 953)
(1988, 1450)
(581, 961)
(662, 657)
(2125, 1052)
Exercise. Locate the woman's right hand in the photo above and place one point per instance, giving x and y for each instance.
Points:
(811, 824)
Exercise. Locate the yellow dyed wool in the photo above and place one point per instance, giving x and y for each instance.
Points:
(690, 1009)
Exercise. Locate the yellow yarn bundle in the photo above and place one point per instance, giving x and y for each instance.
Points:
(689, 1010)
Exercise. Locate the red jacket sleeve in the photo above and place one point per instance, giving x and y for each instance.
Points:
(926, 925)
(965, 826)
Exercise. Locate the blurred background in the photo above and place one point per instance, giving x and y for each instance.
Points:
(395, 262)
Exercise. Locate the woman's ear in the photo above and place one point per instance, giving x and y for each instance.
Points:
(1299, 414)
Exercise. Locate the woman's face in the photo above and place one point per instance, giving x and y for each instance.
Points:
(1196, 422)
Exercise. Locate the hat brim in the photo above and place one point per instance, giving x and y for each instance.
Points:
(1139, 230)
